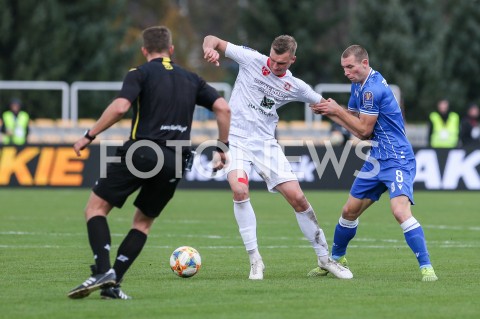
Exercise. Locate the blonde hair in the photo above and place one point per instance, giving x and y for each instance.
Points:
(284, 43)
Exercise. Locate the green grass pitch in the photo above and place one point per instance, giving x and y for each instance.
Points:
(44, 252)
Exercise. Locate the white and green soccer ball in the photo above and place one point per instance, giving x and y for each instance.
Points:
(185, 261)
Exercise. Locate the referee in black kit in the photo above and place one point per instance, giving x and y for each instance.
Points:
(163, 96)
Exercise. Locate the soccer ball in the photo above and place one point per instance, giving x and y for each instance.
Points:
(185, 261)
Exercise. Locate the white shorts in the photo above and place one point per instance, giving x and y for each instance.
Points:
(265, 157)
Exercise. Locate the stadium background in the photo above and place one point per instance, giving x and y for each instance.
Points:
(429, 49)
(323, 167)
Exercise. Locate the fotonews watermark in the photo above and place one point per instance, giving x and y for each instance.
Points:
(270, 158)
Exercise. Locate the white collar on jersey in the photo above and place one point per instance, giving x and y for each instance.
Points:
(369, 74)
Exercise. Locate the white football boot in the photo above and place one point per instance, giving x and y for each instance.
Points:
(256, 270)
(337, 269)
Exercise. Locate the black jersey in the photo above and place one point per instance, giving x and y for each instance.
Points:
(164, 96)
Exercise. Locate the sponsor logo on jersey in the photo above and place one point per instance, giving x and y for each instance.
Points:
(265, 71)
(392, 187)
(267, 103)
(367, 100)
(261, 110)
(173, 128)
(287, 86)
(270, 90)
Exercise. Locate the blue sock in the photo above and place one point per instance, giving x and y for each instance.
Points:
(415, 239)
(344, 232)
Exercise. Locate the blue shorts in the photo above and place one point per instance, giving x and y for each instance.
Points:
(396, 176)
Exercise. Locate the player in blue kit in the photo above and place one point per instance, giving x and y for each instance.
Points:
(374, 114)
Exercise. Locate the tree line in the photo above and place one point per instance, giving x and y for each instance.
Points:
(428, 48)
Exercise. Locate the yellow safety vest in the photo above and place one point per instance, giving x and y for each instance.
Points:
(444, 134)
(17, 125)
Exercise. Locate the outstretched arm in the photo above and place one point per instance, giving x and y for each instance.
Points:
(211, 46)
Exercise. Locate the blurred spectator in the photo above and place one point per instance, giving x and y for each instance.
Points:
(444, 126)
(15, 124)
(339, 135)
(470, 128)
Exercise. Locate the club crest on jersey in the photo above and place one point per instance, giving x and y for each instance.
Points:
(267, 103)
(265, 71)
(287, 86)
(367, 99)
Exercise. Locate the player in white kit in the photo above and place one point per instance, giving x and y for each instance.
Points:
(264, 84)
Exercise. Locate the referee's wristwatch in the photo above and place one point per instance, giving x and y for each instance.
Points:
(88, 136)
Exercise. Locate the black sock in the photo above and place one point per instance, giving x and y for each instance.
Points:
(130, 248)
(99, 237)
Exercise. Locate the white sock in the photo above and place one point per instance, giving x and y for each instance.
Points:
(348, 223)
(409, 224)
(247, 225)
(308, 223)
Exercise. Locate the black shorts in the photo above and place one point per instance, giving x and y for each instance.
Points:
(142, 168)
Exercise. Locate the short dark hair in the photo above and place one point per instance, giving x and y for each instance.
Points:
(284, 43)
(357, 51)
(157, 39)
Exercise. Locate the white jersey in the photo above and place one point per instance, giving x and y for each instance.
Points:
(258, 93)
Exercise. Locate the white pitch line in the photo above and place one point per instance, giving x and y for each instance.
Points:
(263, 247)
(357, 242)
(31, 246)
(441, 227)
(234, 237)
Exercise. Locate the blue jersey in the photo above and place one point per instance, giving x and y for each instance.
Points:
(375, 97)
